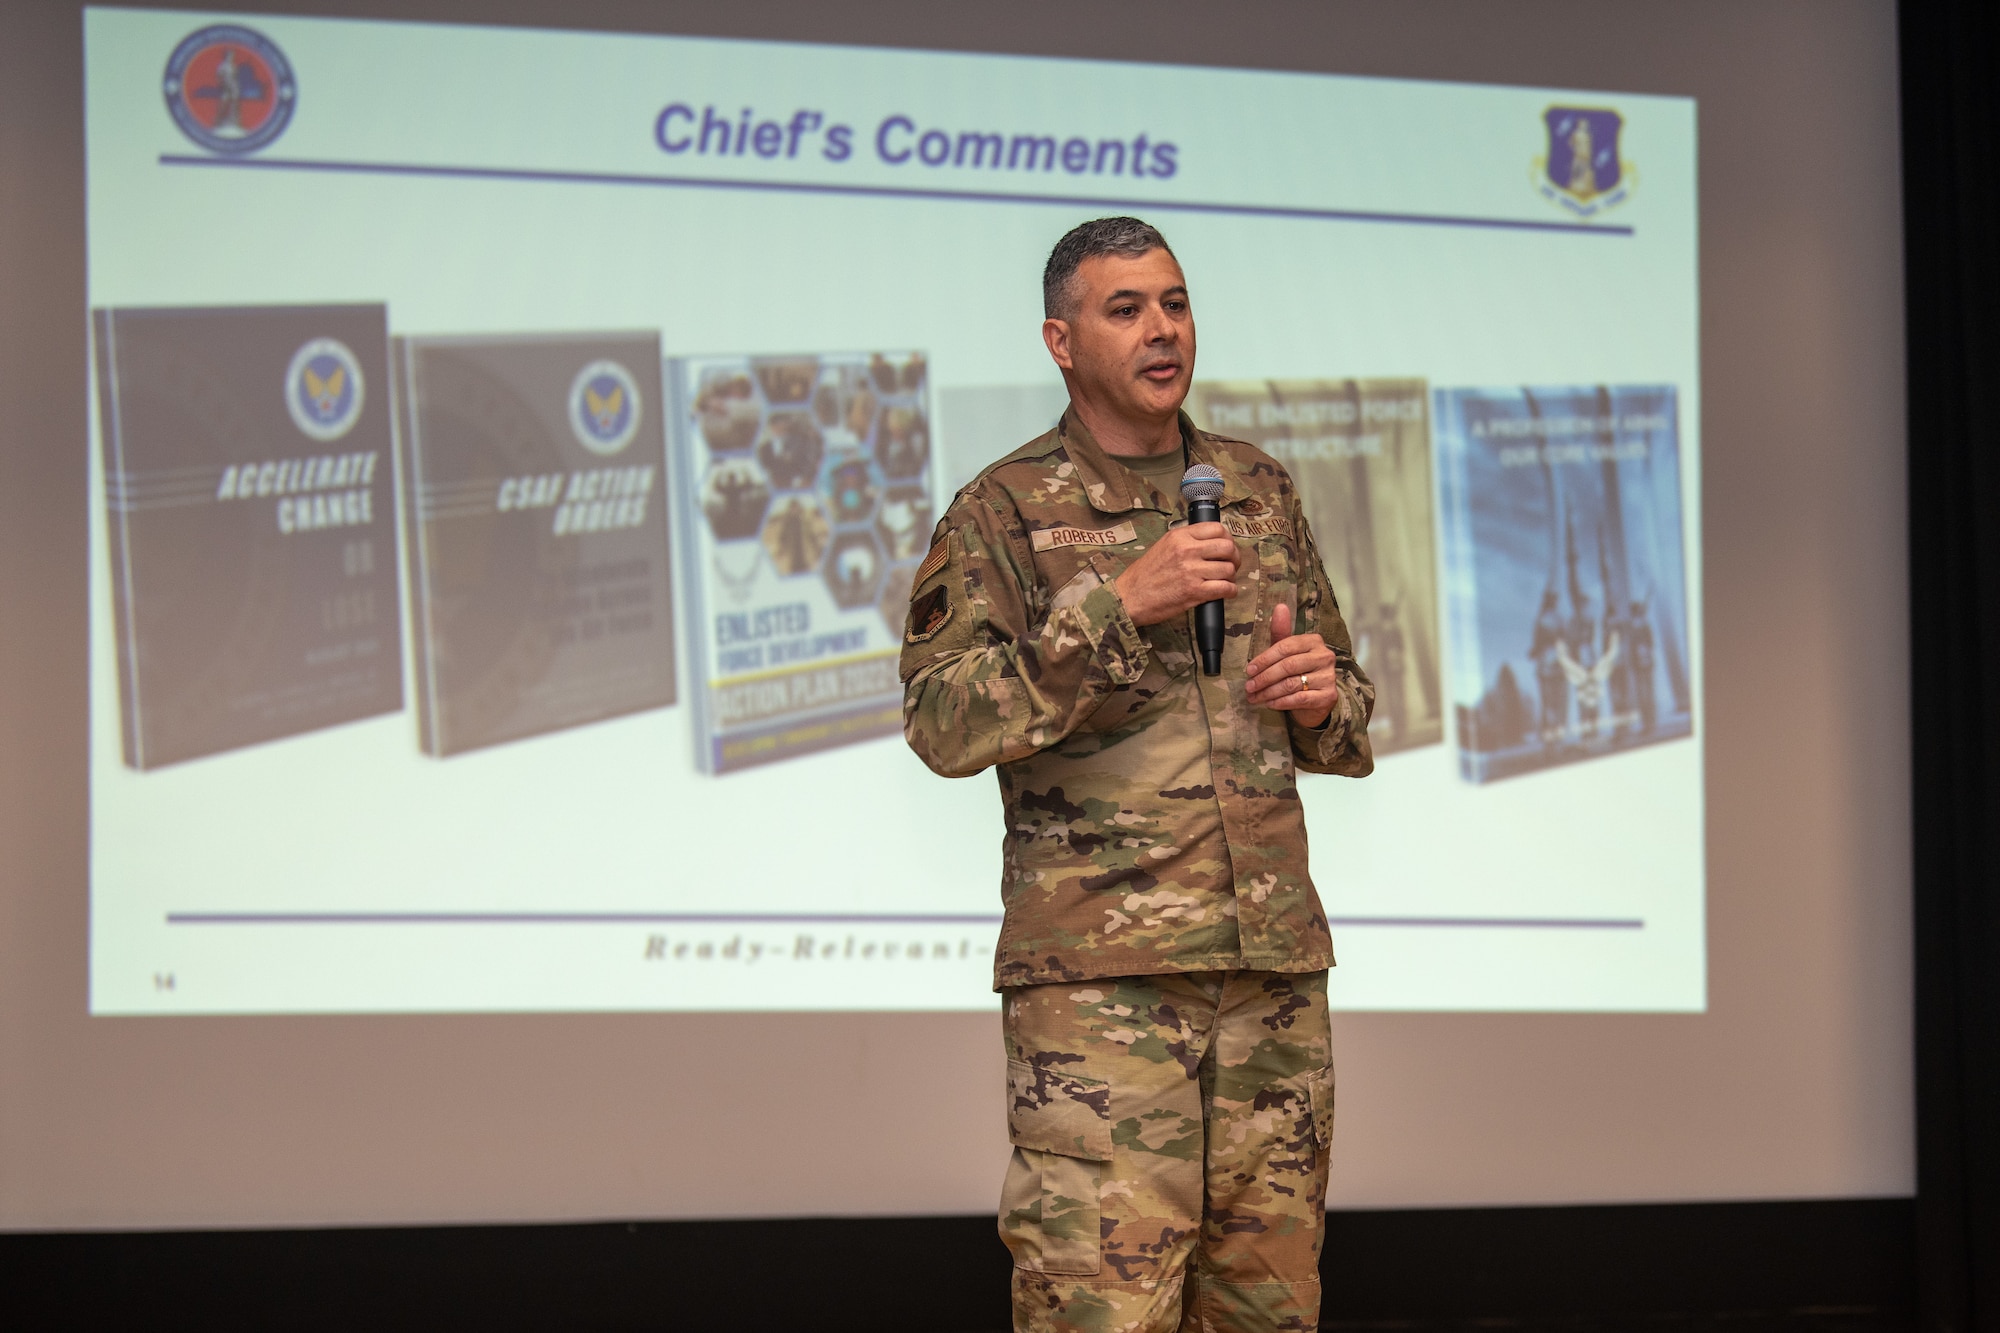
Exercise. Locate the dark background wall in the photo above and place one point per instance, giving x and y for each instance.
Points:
(1810, 927)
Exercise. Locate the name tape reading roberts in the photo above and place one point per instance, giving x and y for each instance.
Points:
(1048, 539)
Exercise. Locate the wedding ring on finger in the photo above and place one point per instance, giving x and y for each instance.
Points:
(1305, 683)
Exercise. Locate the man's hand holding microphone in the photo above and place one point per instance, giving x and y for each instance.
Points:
(1195, 567)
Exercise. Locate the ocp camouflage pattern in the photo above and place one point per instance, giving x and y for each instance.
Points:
(1171, 1138)
(1152, 815)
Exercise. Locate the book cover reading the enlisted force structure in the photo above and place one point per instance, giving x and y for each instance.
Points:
(1359, 452)
(540, 569)
(806, 507)
(1566, 584)
(251, 510)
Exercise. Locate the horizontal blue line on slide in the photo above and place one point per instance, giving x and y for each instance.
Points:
(1498, 922)
(802, 919)
(877, 192)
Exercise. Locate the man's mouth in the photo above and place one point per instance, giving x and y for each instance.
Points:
(1160, 372)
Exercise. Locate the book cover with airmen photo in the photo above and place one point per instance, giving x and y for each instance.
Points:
(1566, 586)
(1360, 453)
(249, 489)
(540, 569)
(807, 505)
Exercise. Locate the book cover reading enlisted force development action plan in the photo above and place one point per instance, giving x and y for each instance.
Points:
(806, 507)
(1565, 578)
(1360, 453)
(249, 487)
(542, 588)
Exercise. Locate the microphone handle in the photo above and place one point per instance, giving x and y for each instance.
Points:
(1208, 616)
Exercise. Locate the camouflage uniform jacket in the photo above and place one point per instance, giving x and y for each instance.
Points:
(1152, 817)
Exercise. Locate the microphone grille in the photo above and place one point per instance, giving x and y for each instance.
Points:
(1203, 481)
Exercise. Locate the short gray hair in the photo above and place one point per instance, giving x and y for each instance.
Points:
(1103, 236)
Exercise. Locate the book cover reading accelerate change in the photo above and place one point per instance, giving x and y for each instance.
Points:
(806, 506)
(249, 489)
(1565, 576)
(542, 588)
(1360, 453)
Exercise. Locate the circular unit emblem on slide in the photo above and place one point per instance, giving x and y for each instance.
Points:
(604, 407)
(323, 389)
(230, 88)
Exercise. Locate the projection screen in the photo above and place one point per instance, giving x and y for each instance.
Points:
(511, 486)
(461, 473)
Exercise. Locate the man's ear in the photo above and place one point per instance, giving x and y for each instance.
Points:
(1055, 336)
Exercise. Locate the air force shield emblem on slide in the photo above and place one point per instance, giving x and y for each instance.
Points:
(1582, 169)
(323, 389)
(229, 88)
(604, 407)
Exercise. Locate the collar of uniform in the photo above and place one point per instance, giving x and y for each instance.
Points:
(1112, 488)
(1109, 486)
(1201, 448)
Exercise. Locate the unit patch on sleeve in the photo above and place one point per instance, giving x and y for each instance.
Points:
(929, 614)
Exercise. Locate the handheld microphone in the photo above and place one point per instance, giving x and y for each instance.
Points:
(1201, 487)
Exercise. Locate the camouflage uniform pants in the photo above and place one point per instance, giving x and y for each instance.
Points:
(1170, 1152)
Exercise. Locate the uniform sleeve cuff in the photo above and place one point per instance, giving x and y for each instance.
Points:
(1325, 742)
(1120, 646)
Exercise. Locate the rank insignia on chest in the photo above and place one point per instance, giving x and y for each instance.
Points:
(929, 614)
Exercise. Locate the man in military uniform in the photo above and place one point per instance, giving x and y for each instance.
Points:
(1642, 657)
(1163, 960)
(1580, 642)
(1551, 681)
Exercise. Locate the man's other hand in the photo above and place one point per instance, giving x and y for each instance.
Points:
(1296, 673)
(1188, 566)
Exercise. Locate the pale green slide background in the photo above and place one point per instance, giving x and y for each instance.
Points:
(613, 818)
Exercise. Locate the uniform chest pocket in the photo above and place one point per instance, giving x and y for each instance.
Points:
(1073, 579)
(1170, 653)
(1275, 560)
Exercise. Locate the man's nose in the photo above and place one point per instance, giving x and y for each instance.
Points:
(1159, 328)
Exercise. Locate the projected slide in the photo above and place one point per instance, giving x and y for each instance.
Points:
(511, 451)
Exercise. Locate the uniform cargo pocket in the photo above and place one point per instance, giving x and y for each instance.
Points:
(1321, 1082)
(1060, 1124)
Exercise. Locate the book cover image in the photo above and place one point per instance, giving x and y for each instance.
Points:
(249, 488)
(1566, 583)
(806, 506)
(539, 557)
(1360, 454)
